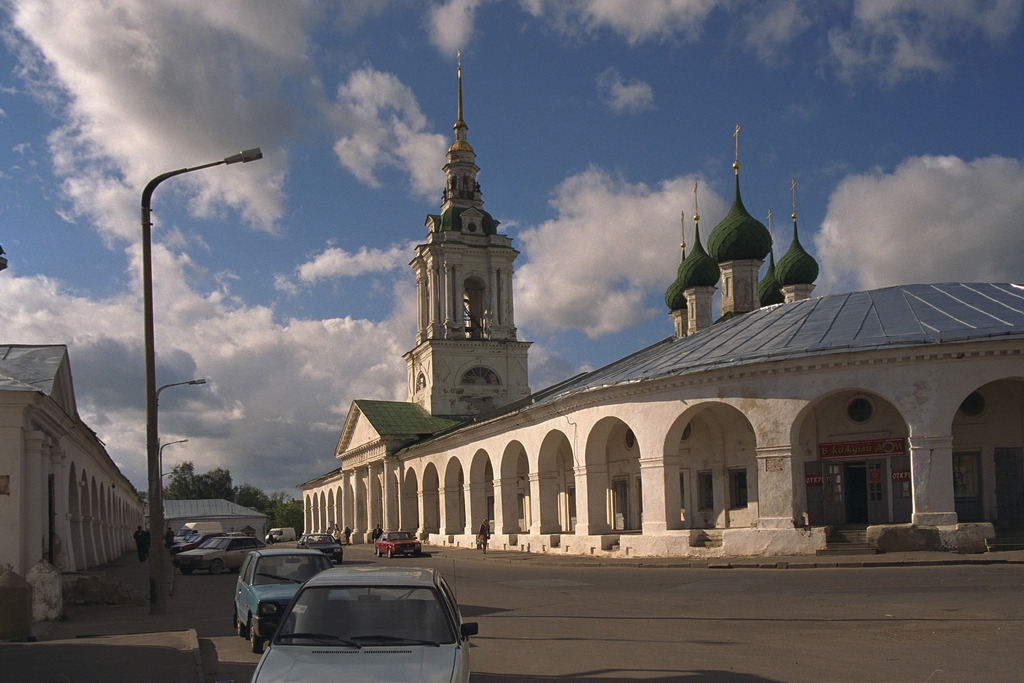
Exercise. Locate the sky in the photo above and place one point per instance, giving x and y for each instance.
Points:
(285, 283)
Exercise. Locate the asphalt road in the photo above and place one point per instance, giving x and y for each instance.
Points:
(544, 622)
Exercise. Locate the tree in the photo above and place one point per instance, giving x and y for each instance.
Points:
(249, 496)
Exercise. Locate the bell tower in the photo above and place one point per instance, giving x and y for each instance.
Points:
(467, 359)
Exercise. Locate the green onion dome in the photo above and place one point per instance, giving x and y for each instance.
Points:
(769, 292)
(697, 270)
(739, 236)
(796, 267)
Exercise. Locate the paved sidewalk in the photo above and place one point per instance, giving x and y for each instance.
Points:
(125, 644)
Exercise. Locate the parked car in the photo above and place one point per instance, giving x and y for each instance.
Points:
(281, 534)
(266, 583)
(401, 624)
(393, 543)
(325, 543)
(217, 554)
(194, 540)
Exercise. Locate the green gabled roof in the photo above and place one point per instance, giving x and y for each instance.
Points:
(401, 418)
(451, 221)
(739, 236)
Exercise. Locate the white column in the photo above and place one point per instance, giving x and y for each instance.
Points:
(931, 476)
(776, 492)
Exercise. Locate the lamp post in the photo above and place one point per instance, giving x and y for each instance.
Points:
(157, 578)
(162, 473)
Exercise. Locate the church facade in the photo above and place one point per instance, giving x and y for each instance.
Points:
(898, 412)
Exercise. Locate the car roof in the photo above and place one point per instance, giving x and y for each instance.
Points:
(375, 576)
(265, 552)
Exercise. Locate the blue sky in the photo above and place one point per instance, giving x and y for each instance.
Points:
(286, 283)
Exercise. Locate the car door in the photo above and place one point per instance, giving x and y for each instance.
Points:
(245, 575)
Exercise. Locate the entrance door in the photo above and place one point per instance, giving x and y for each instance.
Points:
(832, 492)
(967, 486)
(620, 504)
(878, 498)
(1009, 484)
(856, 493)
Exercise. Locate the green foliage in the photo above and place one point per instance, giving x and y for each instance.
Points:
(184, 484)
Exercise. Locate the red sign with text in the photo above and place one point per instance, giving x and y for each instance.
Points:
(862, 449)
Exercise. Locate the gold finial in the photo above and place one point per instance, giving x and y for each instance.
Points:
(770, 231)
(682, 231)
(460, 84)
(793, 190)
(736, 164)
(696, 211)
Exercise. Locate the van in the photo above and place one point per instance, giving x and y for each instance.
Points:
(280, 534)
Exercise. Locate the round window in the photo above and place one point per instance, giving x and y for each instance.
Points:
(860, 410)
(687, 430)
(973, 405)
(630, 438)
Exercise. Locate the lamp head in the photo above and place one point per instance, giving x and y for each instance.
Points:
(245, 156)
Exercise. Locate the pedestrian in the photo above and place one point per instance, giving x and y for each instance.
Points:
(140, 543)
(483, 535)
(348, 535)
(377, 531)
(169, 538)
(335, 534)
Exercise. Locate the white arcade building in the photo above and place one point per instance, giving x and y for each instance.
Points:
(897, 412)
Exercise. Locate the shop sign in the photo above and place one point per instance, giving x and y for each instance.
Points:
(818, 479)
(901, 475)
(862, 449)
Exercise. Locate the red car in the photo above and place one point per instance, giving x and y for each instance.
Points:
(194, 541)
(393, 543)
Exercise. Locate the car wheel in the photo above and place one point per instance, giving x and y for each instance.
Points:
(241, 628)
(391, 553)
(186, 570)
(255, 640)
(216, 567)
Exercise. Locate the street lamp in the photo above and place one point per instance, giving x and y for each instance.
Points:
(157, 579)
(162, 447)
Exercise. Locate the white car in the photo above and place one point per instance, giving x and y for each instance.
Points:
(370, 624)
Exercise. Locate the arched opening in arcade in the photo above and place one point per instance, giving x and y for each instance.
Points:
(856, 460)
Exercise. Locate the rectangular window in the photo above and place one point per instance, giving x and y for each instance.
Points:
(738, 488)
(682, 492)
(705, 491)
(966, 479)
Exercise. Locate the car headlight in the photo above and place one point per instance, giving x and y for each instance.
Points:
(268, 609)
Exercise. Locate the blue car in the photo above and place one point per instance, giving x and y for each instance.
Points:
(266, 583)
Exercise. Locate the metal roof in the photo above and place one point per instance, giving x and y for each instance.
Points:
(401, 418)
(30, 367)
(206, 509)
(909, 315)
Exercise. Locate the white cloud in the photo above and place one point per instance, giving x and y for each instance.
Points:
(451, 24)
(592, 266)
(146, 86)
(900, 38)
(334, 262)
(274, 387)
(630, 97)
(388, 130)
(635, 20)
(932, 219)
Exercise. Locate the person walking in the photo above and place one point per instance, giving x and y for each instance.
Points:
(483, 535)
(348, 534)
(141, 543)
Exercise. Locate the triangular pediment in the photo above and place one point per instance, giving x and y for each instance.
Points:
(358, 431)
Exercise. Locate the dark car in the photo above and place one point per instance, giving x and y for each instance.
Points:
(393, 543)
(266, 584)
(325, 543)
(194, 541)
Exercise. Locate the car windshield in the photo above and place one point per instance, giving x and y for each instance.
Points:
(319, 538)
(215, 542)
(398, 536)
(288, 568)
(366, 615)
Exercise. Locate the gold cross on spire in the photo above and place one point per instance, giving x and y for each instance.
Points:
(770, 231)
(793, 190)
(736, 164)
